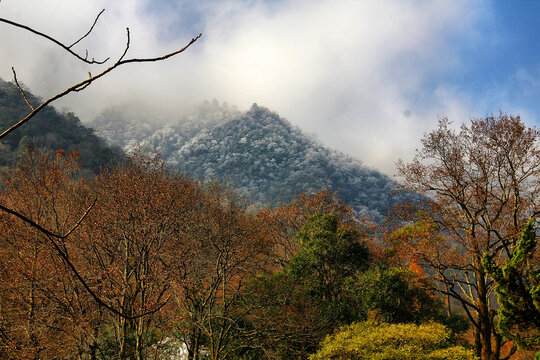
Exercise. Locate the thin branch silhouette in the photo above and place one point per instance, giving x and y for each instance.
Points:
(88, 33)
(63, 46)
(85, 83)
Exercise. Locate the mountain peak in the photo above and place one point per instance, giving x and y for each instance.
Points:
(263, 155)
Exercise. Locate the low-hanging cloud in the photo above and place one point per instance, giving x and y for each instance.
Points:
(356, 73)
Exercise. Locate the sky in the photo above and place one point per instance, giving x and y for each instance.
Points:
(368, 78)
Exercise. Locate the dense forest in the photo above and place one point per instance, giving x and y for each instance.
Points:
(163, 264)
(140, 261)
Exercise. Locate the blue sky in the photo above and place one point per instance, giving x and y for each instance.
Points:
(507, 58)
(368, 77)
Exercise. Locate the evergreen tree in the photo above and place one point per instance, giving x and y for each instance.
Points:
(518, 290)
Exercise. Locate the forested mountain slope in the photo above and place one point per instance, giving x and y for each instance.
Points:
(257, 152)
(49, 130)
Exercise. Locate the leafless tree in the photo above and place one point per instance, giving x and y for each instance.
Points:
(482, 185)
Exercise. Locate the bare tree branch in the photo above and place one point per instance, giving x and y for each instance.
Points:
(88, 33)
(21, 89)
(85, 83)
(65, 47)
(76, 225)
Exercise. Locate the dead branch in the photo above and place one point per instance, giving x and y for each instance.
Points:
(85, 83)
(63, 46)
(21, 89)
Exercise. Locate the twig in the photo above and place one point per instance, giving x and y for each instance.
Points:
(89, 31)
(21, 89)
(164, 56)
(76, 225)
(67, 48)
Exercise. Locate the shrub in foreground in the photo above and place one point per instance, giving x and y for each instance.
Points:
(381, 341)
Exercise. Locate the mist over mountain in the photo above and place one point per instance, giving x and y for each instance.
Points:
(48, 130)
(257, 152)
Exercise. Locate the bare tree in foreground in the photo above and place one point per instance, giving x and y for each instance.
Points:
(53, 237)
(482, 184)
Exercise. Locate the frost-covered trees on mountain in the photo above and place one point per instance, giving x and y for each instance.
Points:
(127, 132)
(258, 153)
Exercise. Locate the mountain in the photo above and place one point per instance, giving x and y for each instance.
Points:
(259, 153)
(48, 130)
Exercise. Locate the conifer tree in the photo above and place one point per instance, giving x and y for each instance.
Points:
(518, 290)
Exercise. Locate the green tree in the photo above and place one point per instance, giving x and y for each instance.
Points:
(518, 290)
(380, 341)
(328, 254)
(394, 295)
(297, 307)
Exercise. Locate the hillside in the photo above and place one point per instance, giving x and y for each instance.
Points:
(259, 153)
(48, 130)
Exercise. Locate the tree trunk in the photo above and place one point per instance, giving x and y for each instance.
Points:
(193, 348)
(477, 343)
(138, 340)
(448, 305)
(484, 321)
(123, 339)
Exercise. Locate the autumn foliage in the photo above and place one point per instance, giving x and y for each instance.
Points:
(151, 247)
(118, 265)
(138, 262)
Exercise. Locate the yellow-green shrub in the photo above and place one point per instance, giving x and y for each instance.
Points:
(380, 341)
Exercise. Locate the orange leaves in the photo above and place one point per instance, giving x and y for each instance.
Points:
(416, 268)
(174, 251)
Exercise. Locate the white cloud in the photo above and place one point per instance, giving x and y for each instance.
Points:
(347, 70)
